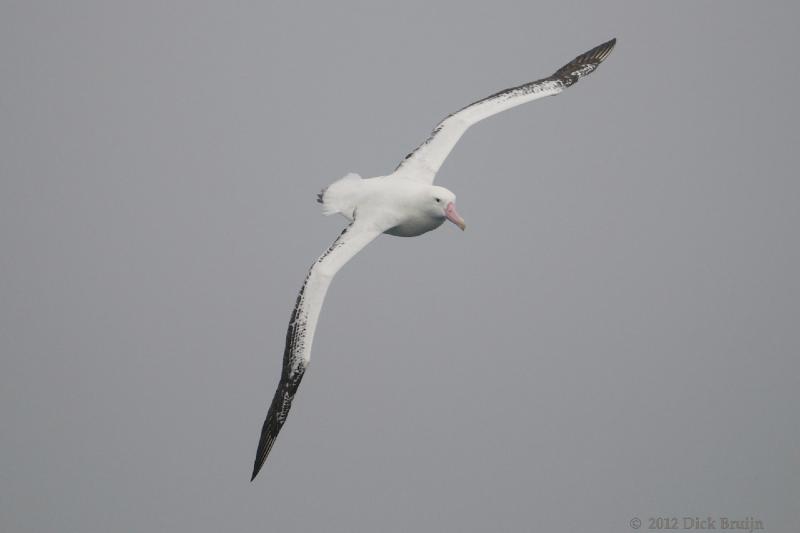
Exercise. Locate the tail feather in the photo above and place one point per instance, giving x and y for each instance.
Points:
(341, 195)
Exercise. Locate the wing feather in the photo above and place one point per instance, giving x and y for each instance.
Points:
(300, 333)
(423, 163)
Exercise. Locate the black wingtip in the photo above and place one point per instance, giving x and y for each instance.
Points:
(604, 49)
(259, 462)
(272, 426)
(597, 54)
(584, 64)
(261, 457)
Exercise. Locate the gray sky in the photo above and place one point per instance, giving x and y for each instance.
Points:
(615, 334)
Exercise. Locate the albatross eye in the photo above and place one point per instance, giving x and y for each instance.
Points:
(437, 200)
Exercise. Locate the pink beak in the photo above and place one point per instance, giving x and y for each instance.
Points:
(453, 216)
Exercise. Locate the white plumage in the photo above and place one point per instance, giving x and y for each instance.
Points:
(404, 203)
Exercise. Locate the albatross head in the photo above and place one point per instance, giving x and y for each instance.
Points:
(442, 203)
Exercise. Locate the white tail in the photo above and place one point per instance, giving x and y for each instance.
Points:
(340, 196)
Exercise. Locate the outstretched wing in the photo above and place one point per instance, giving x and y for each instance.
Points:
(423, 163)
(302, 324)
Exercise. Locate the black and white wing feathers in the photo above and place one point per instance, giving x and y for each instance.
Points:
(302, 324)
(423, 163)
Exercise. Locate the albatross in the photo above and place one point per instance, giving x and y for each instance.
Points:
(404, 203)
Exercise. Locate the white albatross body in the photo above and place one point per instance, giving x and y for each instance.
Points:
(405, 204)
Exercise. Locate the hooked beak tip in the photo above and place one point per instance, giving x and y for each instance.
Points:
(453, 216)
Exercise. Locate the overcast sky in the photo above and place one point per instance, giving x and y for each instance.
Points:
(614, 336)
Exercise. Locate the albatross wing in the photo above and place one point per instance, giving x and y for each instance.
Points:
(423, 163)
(302, 324)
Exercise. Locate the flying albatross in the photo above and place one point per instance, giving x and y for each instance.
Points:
(406, 204)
